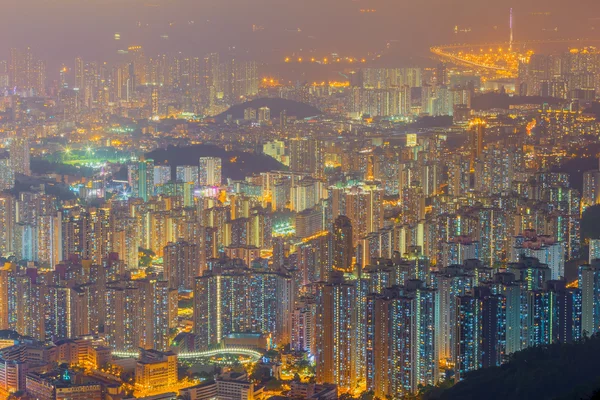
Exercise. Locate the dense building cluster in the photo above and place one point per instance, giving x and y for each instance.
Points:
(388, 233)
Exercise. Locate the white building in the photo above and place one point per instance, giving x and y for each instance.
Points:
(542, 247)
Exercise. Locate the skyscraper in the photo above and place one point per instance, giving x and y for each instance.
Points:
(480, 331)
(159, 315)
(19, 153)
(181, 265)
(516, 328)
(591, 188)
(264, 115)
(7, 223)
(7, 177)
(162, 174)
(589, 284)
(141, 179)
(237, 299)
(187, 173)
(209, 171)
(362, 204)
(343, 249)
(335, 333)
(476, 139)
(401, 346)
(27, 74)
(304, 156)
(154, 104)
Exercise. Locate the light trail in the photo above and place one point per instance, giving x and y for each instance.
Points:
(438, 51)
(253, 354)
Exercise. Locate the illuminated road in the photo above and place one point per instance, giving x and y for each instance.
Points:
(440, 52)
(450, 52)
(253, 354)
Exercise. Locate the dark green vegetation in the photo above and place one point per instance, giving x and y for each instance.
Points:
(590, 223)
(594, 109)
(236, 164)
(9, 335)
(51, 187)
(443, 121)
(276, 105)
(557, 372)
(575, 167)
(40, 166)
(145, 257)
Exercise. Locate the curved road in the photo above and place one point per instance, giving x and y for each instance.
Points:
(253, 354)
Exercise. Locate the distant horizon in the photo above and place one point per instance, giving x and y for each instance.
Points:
(60, 30)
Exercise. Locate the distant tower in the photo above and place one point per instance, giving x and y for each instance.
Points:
(154, 102)
(510, 24)
(442, 74)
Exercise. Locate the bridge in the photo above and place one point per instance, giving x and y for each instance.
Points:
(252, 354)
(452, 54)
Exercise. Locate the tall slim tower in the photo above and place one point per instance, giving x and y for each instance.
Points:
(511, 30)
(476, 139)
(589, 283)
(154, 102)
(342, 244)
(336, 332)
(19, 153)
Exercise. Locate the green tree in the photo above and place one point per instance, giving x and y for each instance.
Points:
(590, 223)
(145, 258)
(367, 395)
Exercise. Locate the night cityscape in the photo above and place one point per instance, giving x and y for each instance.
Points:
(282, 199)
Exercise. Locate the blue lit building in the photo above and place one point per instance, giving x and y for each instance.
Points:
(589, 284)
(480, 331)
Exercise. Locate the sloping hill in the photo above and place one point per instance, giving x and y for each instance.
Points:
(276, 105)
(557, 371)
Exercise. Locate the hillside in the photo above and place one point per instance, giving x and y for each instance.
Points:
(557, 372)
(594, 109)
(276, 105)
(235, 165)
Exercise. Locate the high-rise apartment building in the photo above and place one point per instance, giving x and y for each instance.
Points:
(589, 284)
(335, 333)
(343, 250)
(141, 179)
(209, 171)
(19, 153)
(181, 265)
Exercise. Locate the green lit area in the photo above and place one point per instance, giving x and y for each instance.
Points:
(284, 229)
(90, 157)
(122, 129)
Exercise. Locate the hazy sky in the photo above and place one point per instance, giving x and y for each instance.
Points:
(62, 29)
